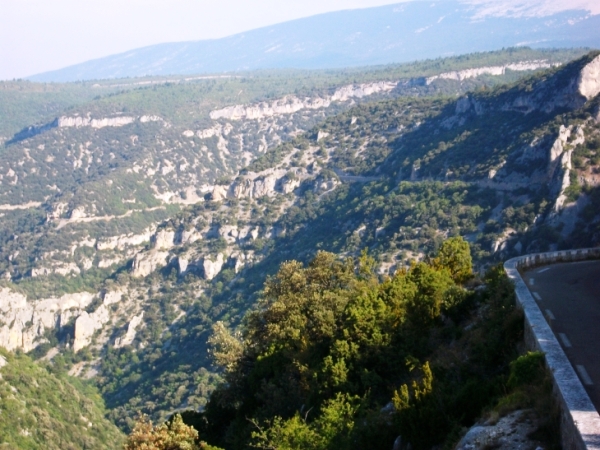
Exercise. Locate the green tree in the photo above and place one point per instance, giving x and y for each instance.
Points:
(174, 435)
(455, 255)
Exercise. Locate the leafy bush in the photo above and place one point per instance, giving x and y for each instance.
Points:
(330, 345)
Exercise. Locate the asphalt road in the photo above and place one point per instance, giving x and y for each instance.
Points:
(569, 296)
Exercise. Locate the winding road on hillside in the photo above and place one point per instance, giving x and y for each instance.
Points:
(569, 296)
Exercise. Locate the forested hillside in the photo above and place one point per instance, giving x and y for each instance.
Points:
(134, 222)
(42, 409)
(333, 357)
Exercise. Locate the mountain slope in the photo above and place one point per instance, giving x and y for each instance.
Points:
(44, 410)
(382, 35)
(135, 157)
(367, 178)
(510, 168)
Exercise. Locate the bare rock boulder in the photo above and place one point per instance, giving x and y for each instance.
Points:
(212, 268)
(129, 336)
(146, 263)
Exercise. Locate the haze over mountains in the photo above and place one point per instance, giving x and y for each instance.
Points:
(383, 35)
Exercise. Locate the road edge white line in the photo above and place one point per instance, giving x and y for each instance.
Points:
(565, 340)
(585, 377)
(543, 270)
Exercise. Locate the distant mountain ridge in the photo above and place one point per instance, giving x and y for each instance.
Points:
(382, 35)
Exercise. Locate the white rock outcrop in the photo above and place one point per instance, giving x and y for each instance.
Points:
(219, 193)
(588, 82)
(146, 119)
(362, 90)
(65, 121)
(164, 239)
(78, 213)
(559, 167)
(509, 433)
(288, 185)
(63, 269)
(460, 75)
(189, 236)
(25, 322)
(146, 263)
(212, 268)
(286, 105)
(182, 264)
(87, 324)
(112, 297)
(129, 336)
(125, 240)
(558, 147)
(229, 232)
(119, 121)
(264, 186)
(255, 185)
(104, 263)
(291, 104)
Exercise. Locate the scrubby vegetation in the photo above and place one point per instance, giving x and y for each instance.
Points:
(338, 350)
(44, 408)
(335, 357)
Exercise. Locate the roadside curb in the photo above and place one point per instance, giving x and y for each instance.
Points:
(580, 422)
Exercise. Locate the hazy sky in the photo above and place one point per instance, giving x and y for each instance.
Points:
(41, 35)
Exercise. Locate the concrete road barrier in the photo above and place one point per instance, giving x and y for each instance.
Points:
(580, 422)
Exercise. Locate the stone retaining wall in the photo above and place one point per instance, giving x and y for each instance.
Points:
(580, 422)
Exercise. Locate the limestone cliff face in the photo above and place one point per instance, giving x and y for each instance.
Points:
(87, 323)
(588, 82)
(288, 185)
(216, 130)
(291, 104)
(119, 121)
(164, 239)
(212, 268)
(263, 184)
(285, 105)
(147, 262)
(562, 163)
(129, 336)
(123, 241)
(362, 90)
(583, 87)
(188, 236)
(25, 322)
(58, 268)
(544, 97)
(460, 75)
(94, 123)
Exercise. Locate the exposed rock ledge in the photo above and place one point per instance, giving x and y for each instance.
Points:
(87, 323)
(461, 75)
(255, 185)
(118, 121)
(291, 104)
(24, 322)
(509, 433)
(129, 336)
(147, 262)
(588, 83)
